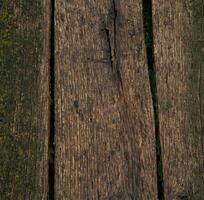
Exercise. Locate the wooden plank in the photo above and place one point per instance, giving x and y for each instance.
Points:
(105, 140)
(179, 47)
(24, 91)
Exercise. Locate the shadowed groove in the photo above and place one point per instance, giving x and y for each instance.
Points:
(149, 42)
(51, 173)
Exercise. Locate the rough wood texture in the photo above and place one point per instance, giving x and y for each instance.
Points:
(105, 144)
(24, 90)
(179, 48)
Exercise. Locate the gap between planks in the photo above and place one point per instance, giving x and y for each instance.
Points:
(51, 153)
(149, 43)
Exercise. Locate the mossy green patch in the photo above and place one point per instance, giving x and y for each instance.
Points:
(20, 59)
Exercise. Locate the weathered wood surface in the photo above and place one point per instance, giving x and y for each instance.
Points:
(179, 61)
(105, 144)
(24, 91)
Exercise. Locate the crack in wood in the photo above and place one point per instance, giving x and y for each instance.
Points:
(113, 47)
(149, 42)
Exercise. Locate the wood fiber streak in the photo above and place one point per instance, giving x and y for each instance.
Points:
(24, 90)
(179, 49)
(105, 140)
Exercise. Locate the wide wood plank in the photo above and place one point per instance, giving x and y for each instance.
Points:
(179, 49)
(24, 92)
(105, 139)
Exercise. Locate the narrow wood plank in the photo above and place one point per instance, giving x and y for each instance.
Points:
(179, 48)
(24, 90)
(105, 144)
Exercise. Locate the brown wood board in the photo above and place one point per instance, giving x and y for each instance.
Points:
(105, 139)
(178, 51)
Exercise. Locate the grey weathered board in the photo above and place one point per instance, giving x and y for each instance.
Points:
(179, 61)
(24, 92)
(105, 140)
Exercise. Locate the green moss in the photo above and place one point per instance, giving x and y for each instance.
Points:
(2, 99)
(20, 57)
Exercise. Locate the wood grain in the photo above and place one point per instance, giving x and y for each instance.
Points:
(105, 140)
(179, 48)
(24, 92)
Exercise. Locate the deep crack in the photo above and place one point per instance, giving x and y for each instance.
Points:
(112, 45)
